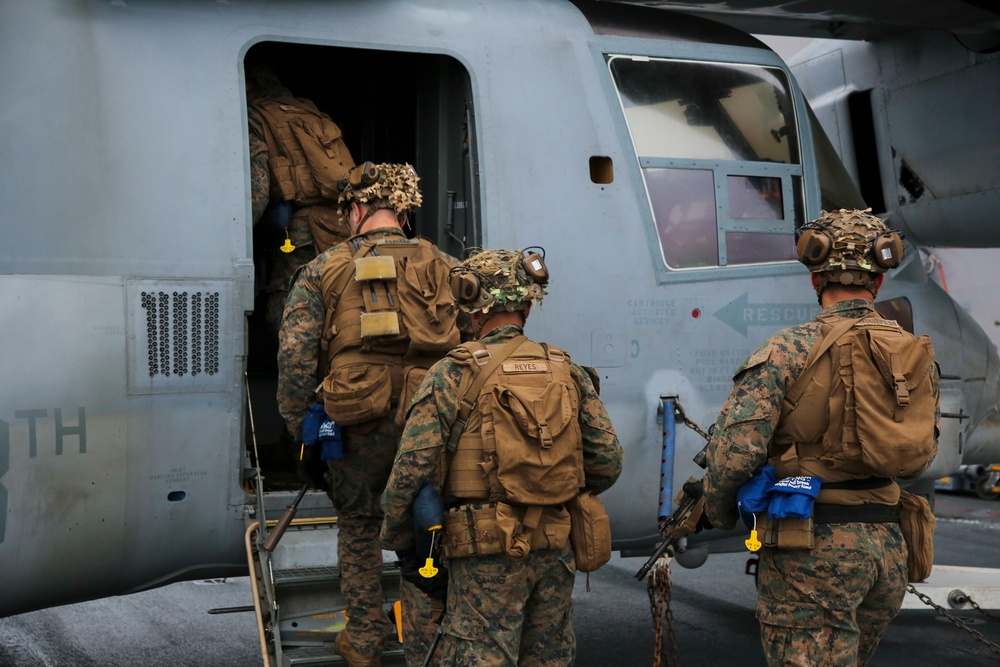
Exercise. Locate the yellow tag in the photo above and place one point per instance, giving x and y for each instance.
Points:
(287, 247)
(753, 544)
(428, 570)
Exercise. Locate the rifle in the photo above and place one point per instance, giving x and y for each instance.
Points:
(666, 528)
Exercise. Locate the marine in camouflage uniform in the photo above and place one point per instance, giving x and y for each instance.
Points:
(355, 482)
(499, 611)
(302, 246)
(825, 606)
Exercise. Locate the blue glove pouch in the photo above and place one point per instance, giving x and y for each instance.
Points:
(332, 440)
(793, 497)
(310, 425)
(755, 495)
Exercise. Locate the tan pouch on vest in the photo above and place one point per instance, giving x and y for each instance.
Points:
(357, 393)
(795, 533)
(917, 523)
(471, 530)
(515, 536)
(590, 532)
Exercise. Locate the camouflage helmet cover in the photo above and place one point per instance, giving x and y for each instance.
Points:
(504, 281)
(848, 246)
(392, 186)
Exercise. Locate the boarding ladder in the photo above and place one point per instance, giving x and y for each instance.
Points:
(296, 586)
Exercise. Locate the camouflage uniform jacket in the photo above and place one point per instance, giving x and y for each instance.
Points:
(428, 427)
(748, 420)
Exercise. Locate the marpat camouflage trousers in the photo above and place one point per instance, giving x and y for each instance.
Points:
(509, 613)
(828, 606)
(356, 485)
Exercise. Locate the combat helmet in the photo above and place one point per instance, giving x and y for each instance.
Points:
(508, 280)
(848, 247)
(389, 186)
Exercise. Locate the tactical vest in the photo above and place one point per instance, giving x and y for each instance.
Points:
(389, 316)
(307, 155)
(864, 406)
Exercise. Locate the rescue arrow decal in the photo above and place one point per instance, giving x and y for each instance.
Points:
(740, 314)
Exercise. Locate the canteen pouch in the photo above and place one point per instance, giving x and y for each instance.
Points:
(515, 536)
(917, 522)
(590, 532)
(357, 393)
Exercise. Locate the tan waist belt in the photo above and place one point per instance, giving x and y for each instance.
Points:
(485, 529)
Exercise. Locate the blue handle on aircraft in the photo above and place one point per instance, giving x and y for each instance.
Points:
(667, 462)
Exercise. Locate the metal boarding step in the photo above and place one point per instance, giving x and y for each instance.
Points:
(297, 598)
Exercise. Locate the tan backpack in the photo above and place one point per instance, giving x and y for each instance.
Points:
(882, 400)
(527, 449)
(392, 318)
(307, 155)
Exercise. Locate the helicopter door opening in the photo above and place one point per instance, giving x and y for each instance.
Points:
(390, 107)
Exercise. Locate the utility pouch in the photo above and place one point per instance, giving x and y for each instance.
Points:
(917, 522)
(515, 534)
(426, 305)
(327, 227)
(590, 531)
(357, 393)
(471, 530)
(794, 533)
(767, 530)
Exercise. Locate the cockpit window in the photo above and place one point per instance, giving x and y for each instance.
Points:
(720, 158)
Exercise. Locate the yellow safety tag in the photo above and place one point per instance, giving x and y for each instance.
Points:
(287, 247)
(428, 570)
(753, 544)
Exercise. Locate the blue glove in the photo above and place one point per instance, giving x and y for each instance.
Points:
(332, 440)
(754, 496)
(310, 425)
(793, 497)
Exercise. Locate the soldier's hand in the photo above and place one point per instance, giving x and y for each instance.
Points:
(696, 521)
(311, 469)
(694, 489)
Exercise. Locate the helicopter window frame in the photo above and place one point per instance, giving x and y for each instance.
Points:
(794, 189)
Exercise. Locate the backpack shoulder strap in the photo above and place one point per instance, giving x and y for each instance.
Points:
(482, 365)
(794, 392)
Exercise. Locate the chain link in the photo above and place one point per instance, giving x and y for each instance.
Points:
(679, 413)
(980, 609)
(659, 606)
(955, 620)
